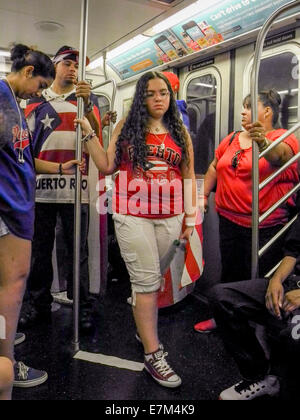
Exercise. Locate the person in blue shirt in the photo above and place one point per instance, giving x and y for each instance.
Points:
(181, 104)
(32, 71)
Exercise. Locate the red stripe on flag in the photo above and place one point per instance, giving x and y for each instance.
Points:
(30, 108)
(67, 121)
(166, 297)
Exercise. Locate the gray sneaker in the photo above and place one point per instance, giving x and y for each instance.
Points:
(20, 338)
(248, 390)
(27, 377)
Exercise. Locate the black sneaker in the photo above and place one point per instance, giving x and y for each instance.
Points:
(248, 390)
(158, 367)
(20, 338)
(30, 316)
(27, 377)
(86, 322)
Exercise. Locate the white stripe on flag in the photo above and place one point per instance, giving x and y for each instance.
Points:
(196, 250)
(60, 140)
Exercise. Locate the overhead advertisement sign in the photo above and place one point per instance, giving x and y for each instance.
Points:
(160, 49)
(227, 20)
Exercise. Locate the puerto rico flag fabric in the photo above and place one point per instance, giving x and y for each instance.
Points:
(185, 269)
(51, 120)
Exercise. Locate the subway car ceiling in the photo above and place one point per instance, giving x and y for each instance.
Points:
(48, 24)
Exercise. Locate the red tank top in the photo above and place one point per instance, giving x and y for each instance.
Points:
(153, 193)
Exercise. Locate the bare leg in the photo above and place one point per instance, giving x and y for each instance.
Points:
(6, 378)
(146, 314)
(15, 256)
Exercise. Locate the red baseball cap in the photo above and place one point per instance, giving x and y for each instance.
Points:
(173, 79)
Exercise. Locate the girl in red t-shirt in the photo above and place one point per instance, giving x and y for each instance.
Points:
(154, 155)
(231, 171)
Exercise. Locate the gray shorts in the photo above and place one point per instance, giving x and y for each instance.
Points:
(3, 228)
(145, 245)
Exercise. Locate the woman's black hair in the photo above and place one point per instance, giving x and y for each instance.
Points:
(269, 98)
(22, 56)
(134, 130)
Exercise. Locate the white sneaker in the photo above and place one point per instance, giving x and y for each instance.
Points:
(248, 390)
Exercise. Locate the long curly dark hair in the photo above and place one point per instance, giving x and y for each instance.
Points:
(134, 130)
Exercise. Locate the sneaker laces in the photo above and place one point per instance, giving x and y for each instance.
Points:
(245, 385)
(162, 366)
(22, 371)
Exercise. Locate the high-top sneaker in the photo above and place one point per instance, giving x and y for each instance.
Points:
(158, 367)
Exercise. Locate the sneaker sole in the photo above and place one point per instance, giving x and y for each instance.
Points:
(20, 340)
(165, 383)
(31, 384)
(203, 332)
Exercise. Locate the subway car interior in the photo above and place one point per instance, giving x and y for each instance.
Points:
(211, 47)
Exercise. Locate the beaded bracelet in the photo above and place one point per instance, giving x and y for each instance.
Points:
(89, 136)
(60, 170)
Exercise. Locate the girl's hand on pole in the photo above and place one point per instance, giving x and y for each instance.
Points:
(85, 125)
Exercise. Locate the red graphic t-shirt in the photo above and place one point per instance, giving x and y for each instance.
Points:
(234, 187)
(156, 192)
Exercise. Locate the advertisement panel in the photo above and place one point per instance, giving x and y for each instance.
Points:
(228, 19)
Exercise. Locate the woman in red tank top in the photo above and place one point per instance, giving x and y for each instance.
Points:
(155, 190)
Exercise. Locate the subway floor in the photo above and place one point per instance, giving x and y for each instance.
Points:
(201, 360)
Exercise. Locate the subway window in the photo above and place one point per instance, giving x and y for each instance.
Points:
(202, 104)
(281, 73)
(104, 106)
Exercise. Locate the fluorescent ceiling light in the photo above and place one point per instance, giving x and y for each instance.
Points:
(134, 42)
(285, 92)
(4, 53)
(205, 85)
(184, 14)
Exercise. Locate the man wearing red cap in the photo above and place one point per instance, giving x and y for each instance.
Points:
(51, 120)
(181, 104)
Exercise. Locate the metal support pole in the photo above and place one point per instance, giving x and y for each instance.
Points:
(255, 152)
(77, 207)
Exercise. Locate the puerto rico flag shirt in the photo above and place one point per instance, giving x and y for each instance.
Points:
(17, 180)
(51, 121)
(154, 193)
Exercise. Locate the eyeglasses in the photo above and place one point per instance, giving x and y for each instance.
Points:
(163, 94)
(236, 158)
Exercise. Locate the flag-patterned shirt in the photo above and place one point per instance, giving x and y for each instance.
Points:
(156, 192)
(51, 120)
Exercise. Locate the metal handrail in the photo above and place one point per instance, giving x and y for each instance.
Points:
(280, 140)
(255, 151)
(77, 207)
(280, 170)
(113, 98)
(277, 236)
(275, 206)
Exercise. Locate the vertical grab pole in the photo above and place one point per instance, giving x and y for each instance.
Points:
(77, 207)
(255, 151)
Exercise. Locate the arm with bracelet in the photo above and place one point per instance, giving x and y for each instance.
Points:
(278, 156)
(67, 168)
(189, 191)
(104, 160)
